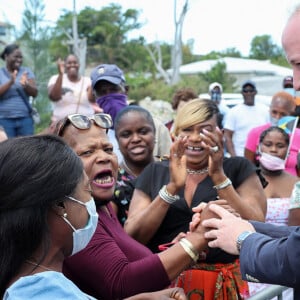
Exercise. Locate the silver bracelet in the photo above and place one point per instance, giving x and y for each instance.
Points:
(166, 196)
(227, 182)
(189, 249)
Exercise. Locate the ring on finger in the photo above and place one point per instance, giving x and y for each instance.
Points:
(214, 149)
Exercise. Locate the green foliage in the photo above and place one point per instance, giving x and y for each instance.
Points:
(262, 47)
(141, 87)
(218, 74)
(231, 52)
(187, 55)
(34, 42)
(106, 32)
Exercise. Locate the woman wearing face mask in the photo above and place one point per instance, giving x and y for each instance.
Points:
(273, 151)
(114, 265)
(282, 105)
(41, 219)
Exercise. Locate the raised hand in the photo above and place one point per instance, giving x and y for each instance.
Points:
(24, 79)
(213, 142)
(13, 76)
(177, 164)
(61, 66)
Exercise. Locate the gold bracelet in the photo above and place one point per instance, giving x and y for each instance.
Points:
(189, 249)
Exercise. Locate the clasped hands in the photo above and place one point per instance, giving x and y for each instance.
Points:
(222, 225)
(217, 221)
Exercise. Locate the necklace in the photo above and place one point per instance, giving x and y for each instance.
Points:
(128, 169)
(37, 265)
(197, 172)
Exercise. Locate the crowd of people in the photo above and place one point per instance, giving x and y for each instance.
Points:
(114, 204)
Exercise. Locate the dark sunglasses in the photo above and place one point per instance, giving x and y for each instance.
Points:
(84, 122)
(248, 91)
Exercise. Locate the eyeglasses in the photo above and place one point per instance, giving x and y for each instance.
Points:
(248, 91)
(84, 122)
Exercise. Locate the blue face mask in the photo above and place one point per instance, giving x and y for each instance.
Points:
(82, 236)
(216, 96)
(290, 91)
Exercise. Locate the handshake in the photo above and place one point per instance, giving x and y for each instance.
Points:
(221, 225)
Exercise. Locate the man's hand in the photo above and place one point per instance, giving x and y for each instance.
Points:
(224, 230)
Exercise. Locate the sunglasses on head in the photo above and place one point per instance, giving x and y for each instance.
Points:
(84, 122)
(248, 90)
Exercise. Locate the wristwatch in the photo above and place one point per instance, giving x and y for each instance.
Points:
(241, 238)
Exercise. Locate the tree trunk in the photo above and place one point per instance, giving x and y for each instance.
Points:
(176, 58)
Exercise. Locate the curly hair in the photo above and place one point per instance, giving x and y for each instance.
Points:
(184, 94)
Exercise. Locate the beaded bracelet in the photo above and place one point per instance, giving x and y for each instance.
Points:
(166, 196)
(189, 249)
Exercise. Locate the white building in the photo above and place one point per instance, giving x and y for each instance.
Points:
(267, 76)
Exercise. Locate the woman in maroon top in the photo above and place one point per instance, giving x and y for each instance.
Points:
(114, 265)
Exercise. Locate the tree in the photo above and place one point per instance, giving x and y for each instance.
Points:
(106, 32)
(34, 40)
(177, 47)
(231, 52)
(155, 52)
(262, 47)
(218, 74)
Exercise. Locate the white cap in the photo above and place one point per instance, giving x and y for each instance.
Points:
(213, 85)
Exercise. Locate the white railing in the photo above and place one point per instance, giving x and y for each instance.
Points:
(269, 293)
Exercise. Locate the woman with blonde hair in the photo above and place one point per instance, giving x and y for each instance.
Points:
(166, 192)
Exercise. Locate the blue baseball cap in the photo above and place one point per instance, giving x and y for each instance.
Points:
(111, 73)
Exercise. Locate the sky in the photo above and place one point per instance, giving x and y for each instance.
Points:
(213, 25)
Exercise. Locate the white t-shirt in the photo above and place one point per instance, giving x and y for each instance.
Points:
(74, 98)
(241, 119)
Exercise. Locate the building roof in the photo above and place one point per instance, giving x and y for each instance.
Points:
(237, 66)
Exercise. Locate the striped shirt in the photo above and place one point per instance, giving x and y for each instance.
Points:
(12, 104)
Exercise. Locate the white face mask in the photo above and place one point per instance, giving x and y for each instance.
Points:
(82, 236)
(271, 162)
